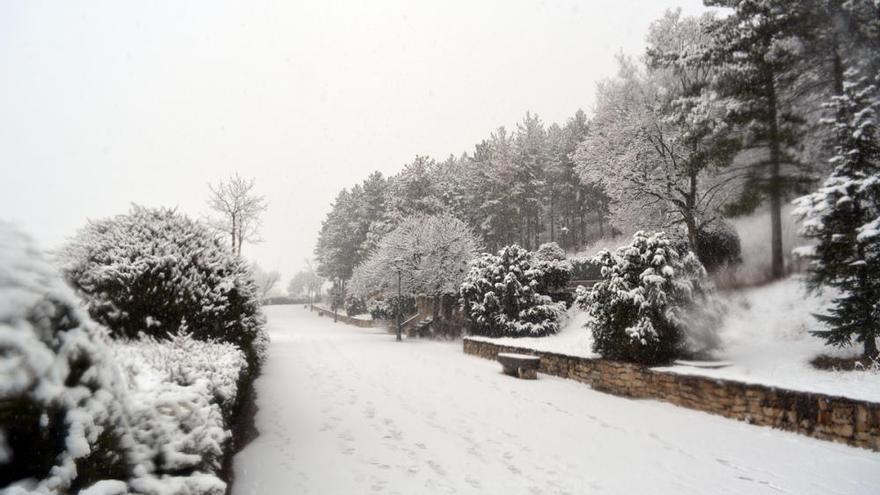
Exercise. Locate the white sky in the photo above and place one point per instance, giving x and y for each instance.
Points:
(107, 103)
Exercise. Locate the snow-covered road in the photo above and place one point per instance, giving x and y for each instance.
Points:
(345, 410)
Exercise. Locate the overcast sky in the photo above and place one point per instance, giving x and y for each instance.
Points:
(103, 104)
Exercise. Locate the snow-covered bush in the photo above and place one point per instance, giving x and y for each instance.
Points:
(556, 269)
(182, 392)
(354, 305)
(80, 412)
(653, 303)
(386, 308)
(507, 294)
(62, 400)
(718, 246)
(185, 361)
(157, 271)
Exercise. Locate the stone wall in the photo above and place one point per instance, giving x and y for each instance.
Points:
(344, 318)
(821, 416)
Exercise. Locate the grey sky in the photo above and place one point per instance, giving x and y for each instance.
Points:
(107, 103)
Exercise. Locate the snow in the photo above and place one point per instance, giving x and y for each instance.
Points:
(765, 336)
(162, 400)
(572, 340)
(348, 410)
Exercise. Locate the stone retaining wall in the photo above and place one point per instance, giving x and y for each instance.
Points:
(344, 318)
(821, 416)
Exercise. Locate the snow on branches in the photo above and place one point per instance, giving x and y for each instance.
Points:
(653, 304)
(429, 253)
(158, 272)
(80, 413)
(506, 295)
(62, 396)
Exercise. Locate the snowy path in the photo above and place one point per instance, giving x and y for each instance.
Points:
(350, 411)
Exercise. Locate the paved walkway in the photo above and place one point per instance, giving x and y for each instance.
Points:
(346, 410)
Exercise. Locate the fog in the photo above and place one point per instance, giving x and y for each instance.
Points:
(108, 103)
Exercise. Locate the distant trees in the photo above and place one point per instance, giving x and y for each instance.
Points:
(265, 280)
(716, 119)
(238, 210)
(515, 187)
(305, 283)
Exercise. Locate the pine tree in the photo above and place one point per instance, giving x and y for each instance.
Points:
(843, 216)
(758, 48)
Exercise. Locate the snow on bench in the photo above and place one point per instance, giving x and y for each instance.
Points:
(519, 365)
(709, 365)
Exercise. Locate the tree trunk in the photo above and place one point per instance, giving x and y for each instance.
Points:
(777, 262)
(232, 233)
(871, 347)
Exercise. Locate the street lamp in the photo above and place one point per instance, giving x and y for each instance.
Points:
(397, 263)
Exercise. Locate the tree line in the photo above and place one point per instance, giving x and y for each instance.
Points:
(720, 116)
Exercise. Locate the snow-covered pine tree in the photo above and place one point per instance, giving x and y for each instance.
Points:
(504, 295)
(653, 305)
(759, 48)
(843, 216)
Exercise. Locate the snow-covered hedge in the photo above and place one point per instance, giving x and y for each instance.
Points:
(506, 295)
(63, 420)
(80, 413)
(653, 305)
(157, 271)
(181, 395)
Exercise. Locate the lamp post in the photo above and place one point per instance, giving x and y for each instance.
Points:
(399, 322)
(397, 267)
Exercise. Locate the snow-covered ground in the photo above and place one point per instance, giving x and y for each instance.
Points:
(347, 410)
(572, 340)
(362, 316)
(765, 338)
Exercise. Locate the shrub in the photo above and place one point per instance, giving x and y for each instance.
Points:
(585, 269)
(718, 247)
(158, 272)
(506, 294)
(184, 395)
(80, 411)
(386, 309)
(62, 400)
(354, 305)
(649, 298)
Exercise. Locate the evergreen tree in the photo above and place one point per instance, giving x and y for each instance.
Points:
(758, 48)
(843, 216)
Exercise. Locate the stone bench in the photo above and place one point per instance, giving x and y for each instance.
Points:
(519, 365)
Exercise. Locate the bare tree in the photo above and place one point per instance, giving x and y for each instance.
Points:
(266, 281)
(239, 209)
